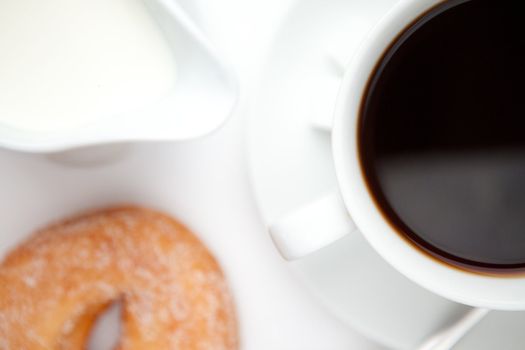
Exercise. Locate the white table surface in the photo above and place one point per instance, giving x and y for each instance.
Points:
(275, 311)
(208, 189)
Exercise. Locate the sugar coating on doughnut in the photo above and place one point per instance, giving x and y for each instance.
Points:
(174, 295)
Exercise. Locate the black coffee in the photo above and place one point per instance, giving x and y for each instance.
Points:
(442, 134)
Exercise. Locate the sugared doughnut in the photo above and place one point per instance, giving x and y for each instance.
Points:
(174, 296)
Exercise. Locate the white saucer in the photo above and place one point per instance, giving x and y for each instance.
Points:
(290, 164)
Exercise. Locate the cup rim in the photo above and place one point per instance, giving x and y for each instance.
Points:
(505, 292)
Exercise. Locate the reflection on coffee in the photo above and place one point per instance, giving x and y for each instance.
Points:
(442, 134)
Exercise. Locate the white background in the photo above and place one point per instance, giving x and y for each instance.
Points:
(205, 183)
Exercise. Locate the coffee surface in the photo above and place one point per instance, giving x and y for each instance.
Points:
(442, 134)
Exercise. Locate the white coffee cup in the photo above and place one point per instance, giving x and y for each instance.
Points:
(352, 208)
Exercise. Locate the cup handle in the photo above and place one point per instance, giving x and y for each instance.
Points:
(337, 58)
(312, 227)
(324, 103)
